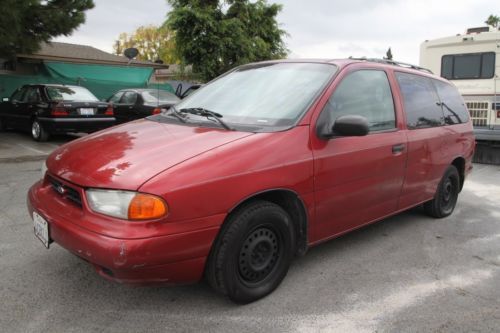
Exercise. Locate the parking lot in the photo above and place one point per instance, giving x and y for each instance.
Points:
(408, 273)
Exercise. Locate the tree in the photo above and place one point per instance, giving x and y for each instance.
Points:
(215, 36)
(26, 24)
(493, 20)
(388, 54)
(152, 42)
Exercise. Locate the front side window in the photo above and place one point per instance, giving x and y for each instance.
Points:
(17, 96)
(364, 93)
(70, 93)
(468, 66)
(452, 103)
(421, 103)
(262, 97)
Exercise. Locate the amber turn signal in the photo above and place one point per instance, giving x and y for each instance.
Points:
(146, 207)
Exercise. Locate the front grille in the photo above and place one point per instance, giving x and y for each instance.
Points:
(65, 191)
(478, 113)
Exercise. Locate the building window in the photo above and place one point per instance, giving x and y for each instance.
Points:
(468, 66)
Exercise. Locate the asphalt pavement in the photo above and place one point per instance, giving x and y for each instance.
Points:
(408, 273)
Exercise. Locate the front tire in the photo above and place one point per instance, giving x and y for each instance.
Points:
(253, 252)
(446, 197)
(38, 133)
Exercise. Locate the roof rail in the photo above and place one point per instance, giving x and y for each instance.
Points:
(393, 62)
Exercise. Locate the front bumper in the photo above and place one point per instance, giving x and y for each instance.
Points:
(165, 259)
(73, 125)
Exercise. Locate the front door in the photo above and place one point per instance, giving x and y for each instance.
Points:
(358, 179)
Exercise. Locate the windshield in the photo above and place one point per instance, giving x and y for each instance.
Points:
(159, 96)
(263, 96)
(79, 94)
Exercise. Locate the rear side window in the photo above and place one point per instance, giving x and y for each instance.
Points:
(129, 97)
(420, 101)
(116, 97)
(468, 66)
(364, 93)
(32, 96)
(453, 105)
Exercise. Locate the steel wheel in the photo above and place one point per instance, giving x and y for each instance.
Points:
(253, 252)
(446, 196)
(259, 254)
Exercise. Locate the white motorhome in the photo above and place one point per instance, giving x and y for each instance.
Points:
(471, 61)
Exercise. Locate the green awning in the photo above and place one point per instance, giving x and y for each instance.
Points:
(80, 72)
(102, 80)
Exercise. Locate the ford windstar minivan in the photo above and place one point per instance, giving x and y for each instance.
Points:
(254, 168)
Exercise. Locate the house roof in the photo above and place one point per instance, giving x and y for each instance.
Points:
(75, 53)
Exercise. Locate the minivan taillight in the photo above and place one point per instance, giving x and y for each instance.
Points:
(59, 111)
(109, 111)
(156, 111)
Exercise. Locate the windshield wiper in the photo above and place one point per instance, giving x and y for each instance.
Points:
(176, 114)
(209, 114)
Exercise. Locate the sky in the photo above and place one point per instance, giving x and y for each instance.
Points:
(316, 28)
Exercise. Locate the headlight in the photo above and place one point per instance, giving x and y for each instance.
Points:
(44, 169)
(126, 204)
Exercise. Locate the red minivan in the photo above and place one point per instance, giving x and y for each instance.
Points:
(254, 168)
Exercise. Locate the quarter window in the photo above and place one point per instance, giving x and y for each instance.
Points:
(420, 100)
(364, 93)
(452, 103)
(468, 66)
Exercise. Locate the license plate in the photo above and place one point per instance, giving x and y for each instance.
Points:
(41, 227)
(86, 111)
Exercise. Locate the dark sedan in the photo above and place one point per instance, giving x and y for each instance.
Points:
(47, 109)
(132, 104)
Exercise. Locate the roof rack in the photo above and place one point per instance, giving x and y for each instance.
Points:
(393, 62)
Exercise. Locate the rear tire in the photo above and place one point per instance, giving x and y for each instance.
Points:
(252, 253)
(445, 200)
(38, 133)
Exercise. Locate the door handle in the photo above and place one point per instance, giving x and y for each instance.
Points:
(398, 148)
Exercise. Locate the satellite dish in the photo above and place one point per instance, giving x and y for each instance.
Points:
(131, 53)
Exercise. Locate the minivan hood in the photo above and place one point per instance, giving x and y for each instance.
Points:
(126, 156)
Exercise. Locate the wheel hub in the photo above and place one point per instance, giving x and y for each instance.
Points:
(447, 190)
(258, 255)
(35, 129)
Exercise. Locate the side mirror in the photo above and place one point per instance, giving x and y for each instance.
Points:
(351, 126)
(5, 99)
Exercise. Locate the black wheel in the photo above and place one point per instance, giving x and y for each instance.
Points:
(38, 132)
(445, 200)
(253, 252)
(2, 125)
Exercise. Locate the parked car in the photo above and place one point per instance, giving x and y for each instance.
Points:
(253, 169)
(132, 104)
(46, 109)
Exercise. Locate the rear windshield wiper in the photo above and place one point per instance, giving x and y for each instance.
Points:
(209, 114)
